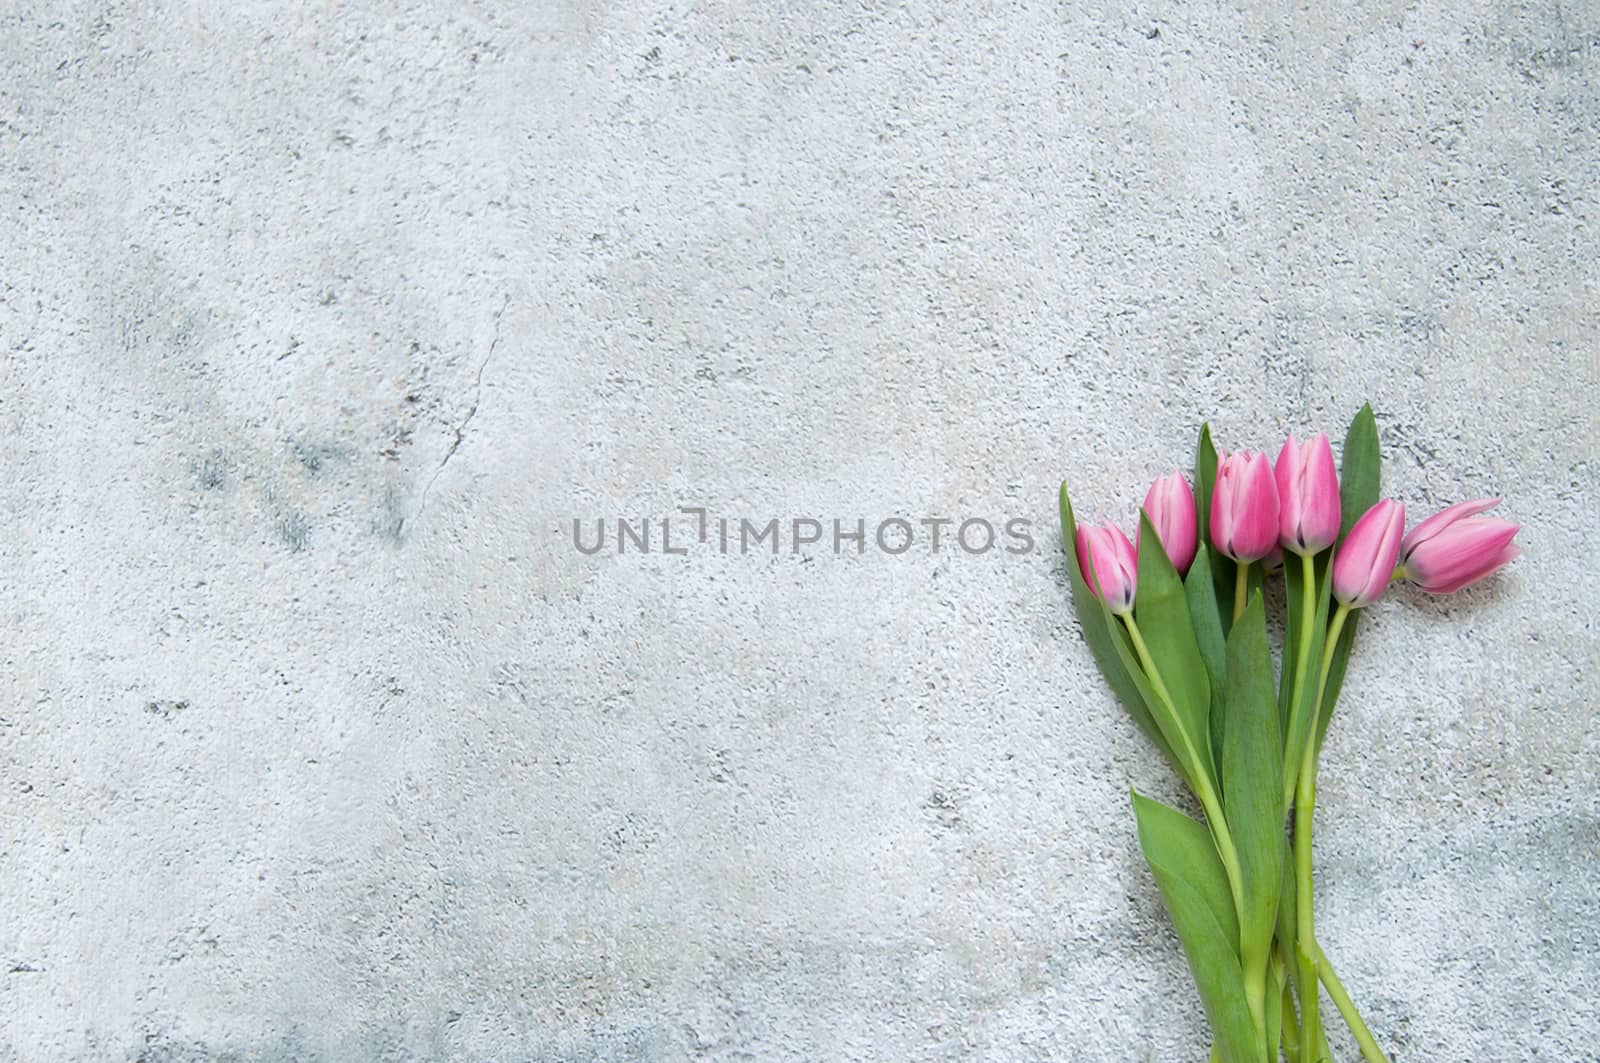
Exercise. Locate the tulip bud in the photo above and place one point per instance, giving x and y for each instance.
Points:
(1365, 562)
(1170, 507)
(1109, 564)
(1244, 507)
(1455, 547)
(1308, 495)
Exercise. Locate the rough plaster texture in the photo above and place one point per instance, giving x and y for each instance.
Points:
(321, 322)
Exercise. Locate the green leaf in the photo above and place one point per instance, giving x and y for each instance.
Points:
(1288, 1033)
(1360, 484)
(1180, 845)
(1252, 781)
(1207, 620)
(1205, 480)
(1213, 643)
(1174, 738)
(1162, 612)
(1223, 569)
(1287, 925)
(1358, 469)
(1194, 888)
(1108, 643)
(1336, 669)
(1274, 1013)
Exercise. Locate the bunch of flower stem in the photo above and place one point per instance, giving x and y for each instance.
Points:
(1259, 517)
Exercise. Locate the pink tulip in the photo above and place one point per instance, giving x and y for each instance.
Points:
(1109, 564)
(1365, 562)
(1170, 507)
(1244, 507)
(1308, 495)
(1455, 547)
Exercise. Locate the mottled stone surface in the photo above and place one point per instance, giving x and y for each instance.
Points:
(321, 322)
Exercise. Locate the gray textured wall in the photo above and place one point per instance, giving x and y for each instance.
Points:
(320, 322)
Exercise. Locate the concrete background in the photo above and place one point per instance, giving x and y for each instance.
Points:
(320, 323)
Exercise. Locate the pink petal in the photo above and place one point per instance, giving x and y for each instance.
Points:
(1443, 519)
(1507, 555)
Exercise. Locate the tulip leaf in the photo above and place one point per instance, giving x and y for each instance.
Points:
(1174, 741)
(1162, 614)
(1171, 735)
(1108, 643)
(1288, 1029)
(1252, 781)
(1205, 480)
(1358, 469)
(1287, 926)
(1287, 930)
(1336, 668)
(1274, 1013)
(1166, 730)
(1194, 889)
(1360, 484)
(1207, 620)
(1222, 567)
(1197, 588)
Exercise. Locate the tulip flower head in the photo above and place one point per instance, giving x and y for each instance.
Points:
(1308, 495)
(1365, 562)
(1456, 547)
(1109, 564)
(1244, 507)
(1170, 507)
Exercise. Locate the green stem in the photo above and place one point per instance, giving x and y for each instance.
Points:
(1352, 1018)
(1241, 589)
(1202, 784)
(1255, 998)
(1290, 1028)
(1304, 805)
(1335, 628)
(1297, 708)
(1305, 801)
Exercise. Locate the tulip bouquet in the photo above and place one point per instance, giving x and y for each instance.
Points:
(1177, 624)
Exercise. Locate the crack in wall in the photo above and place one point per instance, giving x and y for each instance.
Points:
(459, 431)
